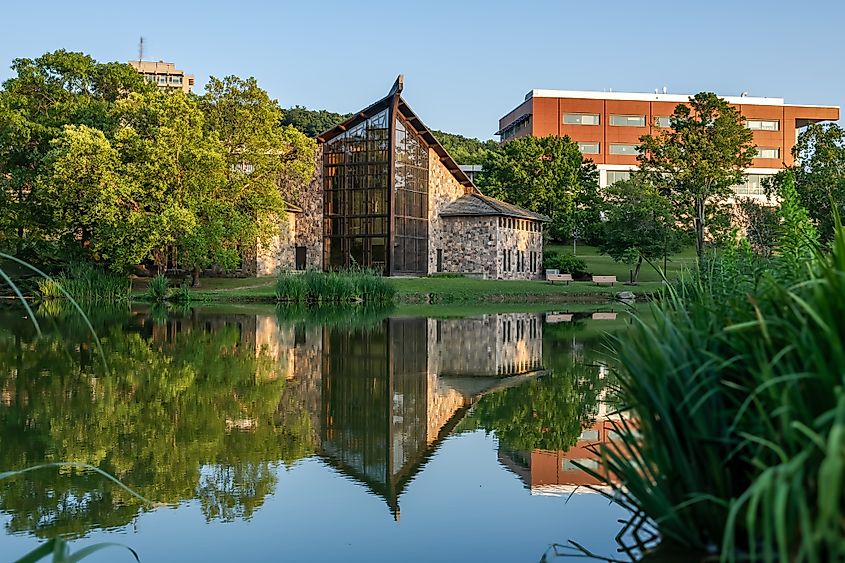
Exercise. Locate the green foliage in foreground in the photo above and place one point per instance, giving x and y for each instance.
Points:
(737, 395)
(334, 287)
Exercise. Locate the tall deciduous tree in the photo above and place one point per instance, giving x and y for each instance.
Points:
(639, 224)
(46, 94)
(819, 175)
(261, 159)
(698, 159)
(547, 175)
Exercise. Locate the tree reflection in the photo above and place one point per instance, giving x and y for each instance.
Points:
(550, 412)
(188, 409)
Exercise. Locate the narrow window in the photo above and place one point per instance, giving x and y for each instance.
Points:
(588, 147)
(624, 149)
(627, 120)
(580, 119)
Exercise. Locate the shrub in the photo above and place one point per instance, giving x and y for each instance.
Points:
(158, 289)
(566, 262)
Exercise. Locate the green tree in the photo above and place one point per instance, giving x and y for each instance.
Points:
(797, 237)
(638, 225)
(697, 161)
(312, 122)
(465, 150)
(547, 175)
(819, 175)
(45, 95)
(260, 158)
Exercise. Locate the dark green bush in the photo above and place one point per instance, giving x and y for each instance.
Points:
(566, 262)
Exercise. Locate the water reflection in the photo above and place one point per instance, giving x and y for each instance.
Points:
(206, 405)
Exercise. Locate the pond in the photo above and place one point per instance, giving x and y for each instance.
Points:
(264, 434)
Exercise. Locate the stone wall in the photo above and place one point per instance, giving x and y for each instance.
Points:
(278, 253)
(469, 244)
(443, 189)
(519, 237)
(309, 225)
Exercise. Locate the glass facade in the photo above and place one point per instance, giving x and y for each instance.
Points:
(364, 223)
(410, 249)
(356, 181)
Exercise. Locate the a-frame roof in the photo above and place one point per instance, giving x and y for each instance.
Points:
(415, 122)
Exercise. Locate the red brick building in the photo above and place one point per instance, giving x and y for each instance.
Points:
(607, 127)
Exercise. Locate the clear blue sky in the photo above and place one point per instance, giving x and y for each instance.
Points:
(466, 63)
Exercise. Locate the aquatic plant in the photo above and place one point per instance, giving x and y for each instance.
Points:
(736, 385)
(158, 289)
(85, 282)
(314, 286)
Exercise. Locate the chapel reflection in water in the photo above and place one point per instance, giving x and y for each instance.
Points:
(383, 397)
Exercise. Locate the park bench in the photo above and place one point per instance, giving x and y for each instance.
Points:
(552, 278)
(607, 316)
(604, 279)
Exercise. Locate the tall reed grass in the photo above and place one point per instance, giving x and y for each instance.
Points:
(87, 283)
(315, 286)
(736, 384)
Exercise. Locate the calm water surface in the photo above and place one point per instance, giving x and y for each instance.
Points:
(292, 435)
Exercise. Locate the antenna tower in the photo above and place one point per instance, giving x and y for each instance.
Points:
(141, 50)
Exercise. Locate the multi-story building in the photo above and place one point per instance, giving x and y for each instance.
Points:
(608, 125)
(164, 75)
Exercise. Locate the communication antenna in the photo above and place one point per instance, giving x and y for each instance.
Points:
(141, 49)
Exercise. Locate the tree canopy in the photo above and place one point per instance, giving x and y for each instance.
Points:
(98, 165)
(819, 175)
(312, 122)
(697, 160)
(547, 175)
(638, 223)
(465, 150)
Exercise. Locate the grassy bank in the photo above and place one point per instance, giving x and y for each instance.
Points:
(602, 265)
(424, 290)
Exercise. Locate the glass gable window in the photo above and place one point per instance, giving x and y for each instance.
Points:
(763, 152)
(356, 181)
(580, 119)
(662, 122)
(588, 147)
(623, 149)
(763, 124)
(410, 252)
(627, 120)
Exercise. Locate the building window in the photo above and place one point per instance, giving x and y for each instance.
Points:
(753, 185)
(763, 152)
(580, 119)
(614, 176)
(515, 128)
(627, 120)
(623, 149)
(588, 148)
(763, 124)
(662, 122)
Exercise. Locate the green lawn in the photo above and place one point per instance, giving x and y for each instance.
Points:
(435, 289)
(603, 265)
(439, 289)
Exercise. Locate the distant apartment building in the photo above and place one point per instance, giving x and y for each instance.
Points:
(164, 75)
(608, 125)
